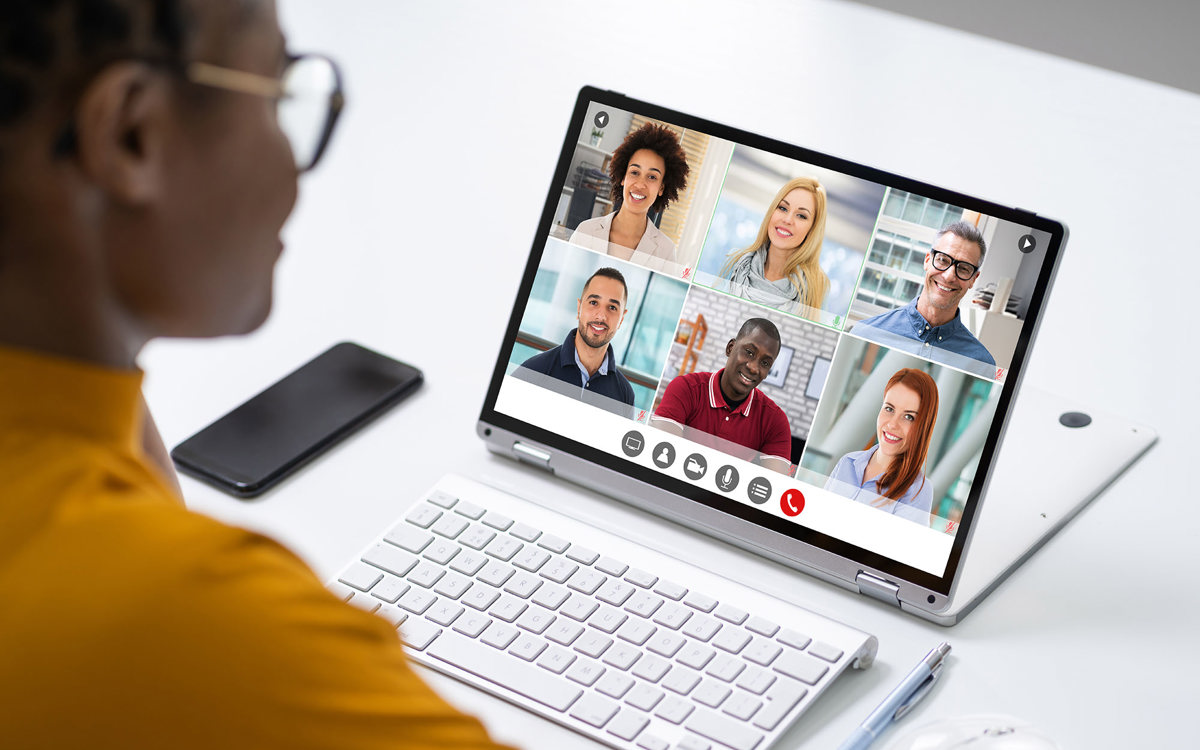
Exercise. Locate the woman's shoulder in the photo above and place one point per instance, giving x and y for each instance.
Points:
(595, 227)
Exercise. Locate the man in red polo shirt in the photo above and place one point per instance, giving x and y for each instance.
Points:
(727, 404)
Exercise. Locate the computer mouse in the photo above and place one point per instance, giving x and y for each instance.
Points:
(979, 732)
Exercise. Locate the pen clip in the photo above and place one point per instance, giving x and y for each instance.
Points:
(921, 691)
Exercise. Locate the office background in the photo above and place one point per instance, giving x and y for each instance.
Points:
(411, 237)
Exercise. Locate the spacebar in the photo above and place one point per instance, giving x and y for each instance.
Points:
(506, 671)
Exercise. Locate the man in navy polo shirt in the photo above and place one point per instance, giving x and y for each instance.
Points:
(728, 404)
(586, 359)
(930, 326)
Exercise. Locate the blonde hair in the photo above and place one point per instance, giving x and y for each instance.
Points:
(803, 266)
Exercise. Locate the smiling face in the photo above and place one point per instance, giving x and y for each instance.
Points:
(897, 418)
(749, 361)
(792, 219)
(601, 311)
(943, 289)
(643, 181)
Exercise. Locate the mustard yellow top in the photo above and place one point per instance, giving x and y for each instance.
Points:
(127, 621)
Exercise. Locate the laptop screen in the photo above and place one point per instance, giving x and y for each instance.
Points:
(817, 347)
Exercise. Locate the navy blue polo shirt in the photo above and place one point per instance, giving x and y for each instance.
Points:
(561, 363)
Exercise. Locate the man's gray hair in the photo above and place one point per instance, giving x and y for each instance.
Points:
(969, 232)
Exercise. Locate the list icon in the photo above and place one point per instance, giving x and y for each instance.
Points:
(759, 490)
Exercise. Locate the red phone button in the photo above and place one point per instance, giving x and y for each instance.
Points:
(792, 502)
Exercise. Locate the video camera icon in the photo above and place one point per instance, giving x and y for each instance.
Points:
(694, 467)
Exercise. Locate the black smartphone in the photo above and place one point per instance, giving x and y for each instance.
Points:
(255, 446)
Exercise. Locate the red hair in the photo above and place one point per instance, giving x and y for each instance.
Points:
(894, 482)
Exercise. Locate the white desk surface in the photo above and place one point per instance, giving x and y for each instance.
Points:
(411, 238)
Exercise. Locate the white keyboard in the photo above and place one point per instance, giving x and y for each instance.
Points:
(606, 636)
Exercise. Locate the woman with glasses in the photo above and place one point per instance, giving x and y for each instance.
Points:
(648, 171)
(782, 266)
(889, 473)
(149, 153)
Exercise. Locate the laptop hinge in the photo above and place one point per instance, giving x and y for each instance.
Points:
(531, 455)
(877, 588)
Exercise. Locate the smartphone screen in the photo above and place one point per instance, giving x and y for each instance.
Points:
(253, 447)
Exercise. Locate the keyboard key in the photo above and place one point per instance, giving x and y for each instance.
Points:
(527, 647)
(614, 684)
(497, 521)
(441, 551)
(723, 730)
(586, 581)
(578, 607)
(611, 566)
(594, 710)
(700, 602)
(701, 628)
(681, 680)
(651, 668)
(692, 742)
(426, 574)
(581, 554)
(725, 668)
(732, 640)
(607, 619)
(394, 616)
(802, 667)
(644, 697)
(675, 709)
(392, 559)
(450, 526)
(341, 591)
(477, 537)
(423, 515)
(671, 590)
(523, 585)
(524, 679)
(503, 548)
(650, 742)
(741, 706)
(665, 643)
(364, 577)
(556, 659)
(673, 615)
(762, 651)
(643, 604)
(559, 570)
(531, 559)
(593, 644)
(824, 651)
(535, 620)
(756, 680)
(498, 635)
(782, 699)
(615, 592)
(495, 574)
(586, 671)
(696, 655)
(550, 596)
(364, 601)
(390, 589)
(555, 544)
(444, 612)
(791, 638)
(470, 510)
(472, 624)
(480, 597)
(636, 631)
(711, 693)
(416, 601)
(731, 614)
(622, 656)
(468, 563)
(418, 634)
(442, 499)
(762, 626)
(563, 631)
(524, 532)
(452, 585)
(409, 537)
(508, 608)
(627, 725)
(641, 578)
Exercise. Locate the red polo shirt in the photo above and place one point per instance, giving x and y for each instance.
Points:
(695, 400)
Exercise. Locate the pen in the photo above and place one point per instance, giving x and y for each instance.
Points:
(900, 701)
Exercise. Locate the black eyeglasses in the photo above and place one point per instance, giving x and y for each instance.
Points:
(308, 98)
(962, 269)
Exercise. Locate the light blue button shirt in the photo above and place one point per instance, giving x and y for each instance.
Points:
(847, 480)
(583, 371)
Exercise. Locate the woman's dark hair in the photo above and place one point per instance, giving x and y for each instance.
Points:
(53, 48)
(662, 141)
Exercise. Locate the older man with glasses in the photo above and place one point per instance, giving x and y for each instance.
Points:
(932, 320)
(149, 154)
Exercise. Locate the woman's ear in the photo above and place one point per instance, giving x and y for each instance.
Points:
(121, 126)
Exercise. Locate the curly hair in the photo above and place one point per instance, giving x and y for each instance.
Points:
(662, 141)
(52, 48)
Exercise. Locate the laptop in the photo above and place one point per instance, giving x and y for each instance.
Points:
(812, 359)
